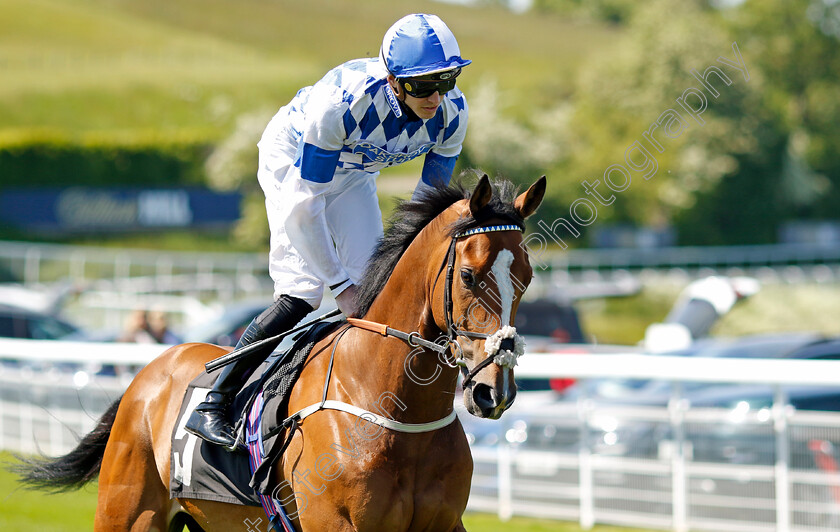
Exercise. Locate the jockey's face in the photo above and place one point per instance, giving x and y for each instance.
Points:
(424, 108)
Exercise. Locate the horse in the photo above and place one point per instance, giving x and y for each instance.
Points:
(454, 253)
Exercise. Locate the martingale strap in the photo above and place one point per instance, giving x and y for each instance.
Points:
(329, 404)
(413, 428)
(414, 340)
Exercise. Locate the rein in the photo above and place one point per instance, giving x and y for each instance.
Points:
(503, 348)
(505, 341)
(327, 404)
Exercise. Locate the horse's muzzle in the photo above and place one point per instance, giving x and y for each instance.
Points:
(485, 401)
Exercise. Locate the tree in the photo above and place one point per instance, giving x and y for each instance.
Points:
(233, 166)
(620, 97)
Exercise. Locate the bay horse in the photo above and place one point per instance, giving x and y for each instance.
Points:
(455, 253)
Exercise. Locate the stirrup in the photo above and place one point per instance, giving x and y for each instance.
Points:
(239, 443)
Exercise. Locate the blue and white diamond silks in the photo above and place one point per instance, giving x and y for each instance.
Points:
(351, 120)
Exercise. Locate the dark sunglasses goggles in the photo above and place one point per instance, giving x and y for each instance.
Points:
(425, 86)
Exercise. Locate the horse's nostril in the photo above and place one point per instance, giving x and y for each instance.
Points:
(484, 396)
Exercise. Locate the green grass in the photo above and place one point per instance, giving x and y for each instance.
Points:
(490, 523)
(26, 511)
(785, 308)
(93, 66)
(623, 320)
(776, 308)
(22, 510)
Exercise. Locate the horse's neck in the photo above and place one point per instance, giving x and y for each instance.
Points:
(403, 305)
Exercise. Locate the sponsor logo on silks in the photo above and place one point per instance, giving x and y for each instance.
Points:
(378, 155)
(392, 101)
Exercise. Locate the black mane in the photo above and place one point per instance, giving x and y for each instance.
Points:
(411, 216)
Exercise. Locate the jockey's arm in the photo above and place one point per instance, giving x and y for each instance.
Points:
(440, 161)
(437, 171)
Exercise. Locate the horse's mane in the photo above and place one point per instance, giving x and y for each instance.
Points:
(411, 216)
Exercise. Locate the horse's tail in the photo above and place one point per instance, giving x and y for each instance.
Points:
(74, 469)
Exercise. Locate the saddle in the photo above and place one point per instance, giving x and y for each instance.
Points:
(201, 470)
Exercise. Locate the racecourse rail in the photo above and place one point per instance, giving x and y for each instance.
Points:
(51, 392)
(33, 263)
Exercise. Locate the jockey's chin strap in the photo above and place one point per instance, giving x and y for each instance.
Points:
(503, 347)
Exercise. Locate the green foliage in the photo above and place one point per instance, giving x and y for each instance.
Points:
(612, 11)
(501, 145)
(50, 159)
(795, 45)
(563, 90)
(623, 93)
(768, 149)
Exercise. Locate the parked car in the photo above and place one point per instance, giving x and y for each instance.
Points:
(548, 321)
(19, 322)
(777, 345)
(550, 421)
(25, 323)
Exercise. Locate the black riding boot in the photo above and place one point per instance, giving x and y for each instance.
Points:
(210, 420)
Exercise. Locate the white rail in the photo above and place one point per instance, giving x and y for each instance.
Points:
(532, 365)
(695, 369)
(79, 352)
(35, 263)
(44, 407)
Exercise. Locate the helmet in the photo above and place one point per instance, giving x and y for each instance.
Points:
(417, 45)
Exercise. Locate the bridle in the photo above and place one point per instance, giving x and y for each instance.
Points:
(506, 347)
(508, 344)
(452, 330)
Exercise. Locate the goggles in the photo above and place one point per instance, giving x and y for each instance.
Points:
(425, 86)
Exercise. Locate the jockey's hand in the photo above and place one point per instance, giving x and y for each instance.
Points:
(346, 301)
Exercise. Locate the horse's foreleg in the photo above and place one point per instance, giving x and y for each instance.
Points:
(459, 527)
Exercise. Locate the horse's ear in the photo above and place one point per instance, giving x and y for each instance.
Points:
(528, 202)
(481, 196)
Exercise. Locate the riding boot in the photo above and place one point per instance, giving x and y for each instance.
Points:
(210, 420)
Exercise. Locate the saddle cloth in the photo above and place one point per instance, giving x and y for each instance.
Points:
(201, 470)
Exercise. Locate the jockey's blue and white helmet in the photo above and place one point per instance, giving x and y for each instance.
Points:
(418, 45)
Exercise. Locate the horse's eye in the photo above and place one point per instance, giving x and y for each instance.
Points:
(468, 278)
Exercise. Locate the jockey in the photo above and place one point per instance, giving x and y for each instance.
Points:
(318, 162)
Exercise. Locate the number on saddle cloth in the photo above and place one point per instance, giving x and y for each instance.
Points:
(206, 471)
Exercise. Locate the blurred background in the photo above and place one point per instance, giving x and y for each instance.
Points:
(130, 212)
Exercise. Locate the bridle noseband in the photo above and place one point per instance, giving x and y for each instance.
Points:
(503, 347)
(507, 335)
